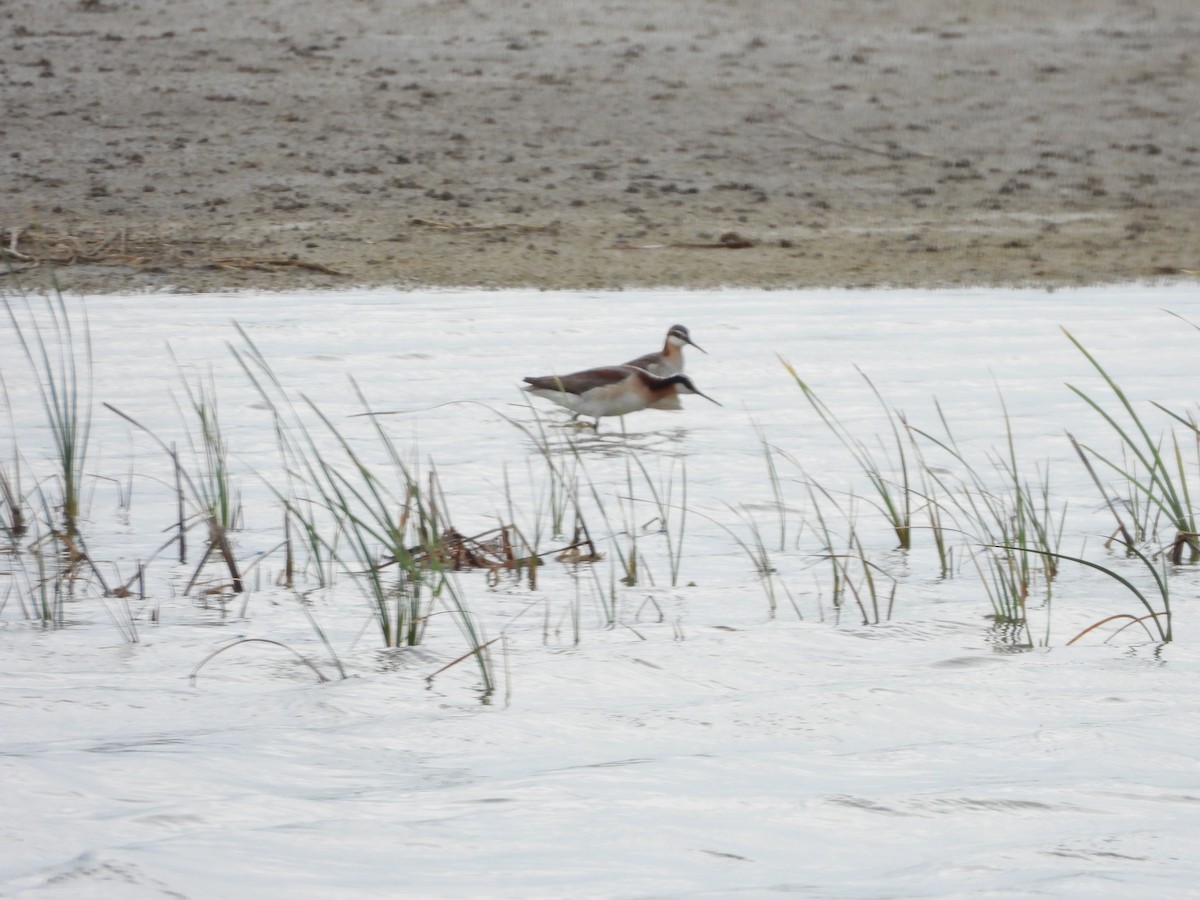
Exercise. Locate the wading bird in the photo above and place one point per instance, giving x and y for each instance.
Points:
(668, 361)
(613, 391)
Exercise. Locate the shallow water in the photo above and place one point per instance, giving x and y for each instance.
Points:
(706, 745)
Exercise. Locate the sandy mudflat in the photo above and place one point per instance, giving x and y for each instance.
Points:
(222, 144)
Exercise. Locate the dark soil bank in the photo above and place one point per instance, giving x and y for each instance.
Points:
(279, 144)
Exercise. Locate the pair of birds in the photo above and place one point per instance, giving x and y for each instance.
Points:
(653, 381)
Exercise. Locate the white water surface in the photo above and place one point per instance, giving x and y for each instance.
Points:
(707, 744)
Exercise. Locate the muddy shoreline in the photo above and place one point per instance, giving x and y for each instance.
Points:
(287, 145)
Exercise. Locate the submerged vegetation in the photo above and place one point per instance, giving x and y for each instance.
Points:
(356, 507)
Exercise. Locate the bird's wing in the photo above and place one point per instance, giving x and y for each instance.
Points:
(578, 382)
(649, 362)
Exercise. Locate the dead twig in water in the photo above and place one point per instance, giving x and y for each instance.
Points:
(896, 152)
(320, 675)
(36, 247)
(472, 226)
(429, 678)
(12, 250)
(730, 240)
(272, 264)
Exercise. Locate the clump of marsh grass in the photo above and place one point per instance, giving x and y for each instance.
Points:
(215, 484)
(776, 485)
(62, 568)
(671, 517)
(204, 495)
(12, 510)
(58, 352)
(559, 493)
(825, 541)
(385, 526)
(1160, 482)
(1139, 525)
(13, 523)
(55, 342)
(1159, 618)
(303, 511)
(624, 543)
(853, 572)
(647, 516)
(543, 490)
(755, 548)
(119, 607)
(564, 461)
(893, 491)
(215, 489)
(932, 504)
(1013, 522)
